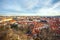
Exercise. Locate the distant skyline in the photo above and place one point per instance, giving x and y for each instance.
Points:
(29, 7)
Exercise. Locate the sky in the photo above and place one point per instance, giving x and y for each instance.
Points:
(30, 7)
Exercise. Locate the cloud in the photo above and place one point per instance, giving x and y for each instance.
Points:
(17, 14)
(30, 7)
(50, 11)
(10, 5)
